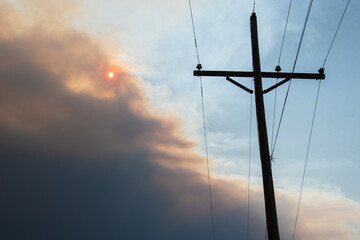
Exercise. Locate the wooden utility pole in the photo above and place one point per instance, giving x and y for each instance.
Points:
(269, 193)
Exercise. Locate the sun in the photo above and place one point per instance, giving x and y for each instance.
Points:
(111, 75)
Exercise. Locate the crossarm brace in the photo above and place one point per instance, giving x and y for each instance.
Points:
(239, 85)
(277, 85)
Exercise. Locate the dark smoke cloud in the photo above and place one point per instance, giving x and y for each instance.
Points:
(83, 156)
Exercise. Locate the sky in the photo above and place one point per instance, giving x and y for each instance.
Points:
(85, 156)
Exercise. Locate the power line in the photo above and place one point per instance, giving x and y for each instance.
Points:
(273, 120)
(194, 33)
(303, 33)
(249, 173)
(207, 160)
(313, 120)
(280, 121)
(294, 66)
(306, 158)
(337, 30)
(283, 38)
(204, 124)
(278, 68)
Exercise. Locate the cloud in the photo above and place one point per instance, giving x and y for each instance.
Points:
(327, 215)
(83, 156)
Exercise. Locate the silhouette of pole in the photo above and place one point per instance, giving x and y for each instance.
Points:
(269, 194)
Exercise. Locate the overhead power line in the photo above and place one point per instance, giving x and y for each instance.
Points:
(204, 125)
(278, 68)
(294, 66)
(313, 120)
(337, 30)
(285, 28)
(249, 170)
(194, 32)
(306, 159)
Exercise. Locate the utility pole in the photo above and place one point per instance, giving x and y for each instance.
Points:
(269, 193)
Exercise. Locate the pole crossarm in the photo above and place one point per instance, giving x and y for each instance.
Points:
(206, 73)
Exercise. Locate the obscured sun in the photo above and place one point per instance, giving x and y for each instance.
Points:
(110, 74)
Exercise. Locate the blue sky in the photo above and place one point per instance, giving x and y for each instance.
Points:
(88, 157)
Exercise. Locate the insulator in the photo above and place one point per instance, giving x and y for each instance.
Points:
(321, 70)
(278, 68)
(199, 67)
